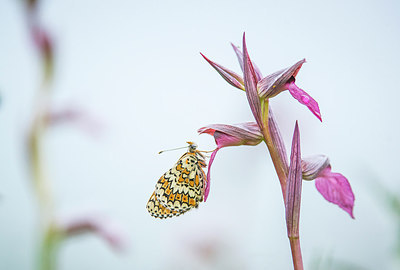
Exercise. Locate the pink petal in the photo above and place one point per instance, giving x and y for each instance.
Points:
(335, 188)
(239, 55)
(224, 140)
(207, 190)
(293, 189)
(250, 83)
(234, 135)
(312, 166)
(304, 99)
(275, 83)
(231, 77)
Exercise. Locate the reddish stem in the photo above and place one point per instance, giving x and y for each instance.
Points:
(296, 253)
(282, 175)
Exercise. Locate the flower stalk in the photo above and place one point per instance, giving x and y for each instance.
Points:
(296, 253)
(41, 185)
(49, 234)
(279, 165)
(35, 149)
(334, 187)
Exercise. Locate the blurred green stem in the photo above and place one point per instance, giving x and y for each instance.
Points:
(49, 248)
(41, 184)
(44, 45)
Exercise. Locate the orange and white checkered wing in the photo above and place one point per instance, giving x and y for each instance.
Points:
(181, 188)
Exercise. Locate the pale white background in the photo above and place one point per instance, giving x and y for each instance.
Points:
(136, 66)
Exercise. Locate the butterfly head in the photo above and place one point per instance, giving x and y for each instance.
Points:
(192, 147)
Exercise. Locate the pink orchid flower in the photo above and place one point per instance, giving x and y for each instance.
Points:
(230, 135)
(266, 88)
(334, 187)
(269, 86)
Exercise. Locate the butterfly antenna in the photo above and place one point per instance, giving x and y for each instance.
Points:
(172, 149)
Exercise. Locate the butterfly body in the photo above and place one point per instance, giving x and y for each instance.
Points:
(181, 188)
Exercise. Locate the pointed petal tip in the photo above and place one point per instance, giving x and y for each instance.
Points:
(296, 131)
(208, 60)
(318, 115)
(250, 84)
(235, 48)
(231, 77)
(348, 210)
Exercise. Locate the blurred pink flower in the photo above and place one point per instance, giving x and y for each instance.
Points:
(76, 116)
(96, 224)
(40, 37)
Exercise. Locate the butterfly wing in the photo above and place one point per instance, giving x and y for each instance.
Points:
(158, 210)
(182, 187)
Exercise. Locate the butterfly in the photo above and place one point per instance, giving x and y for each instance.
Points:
(181, 188)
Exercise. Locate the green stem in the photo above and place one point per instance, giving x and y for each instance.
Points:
(49, 248)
